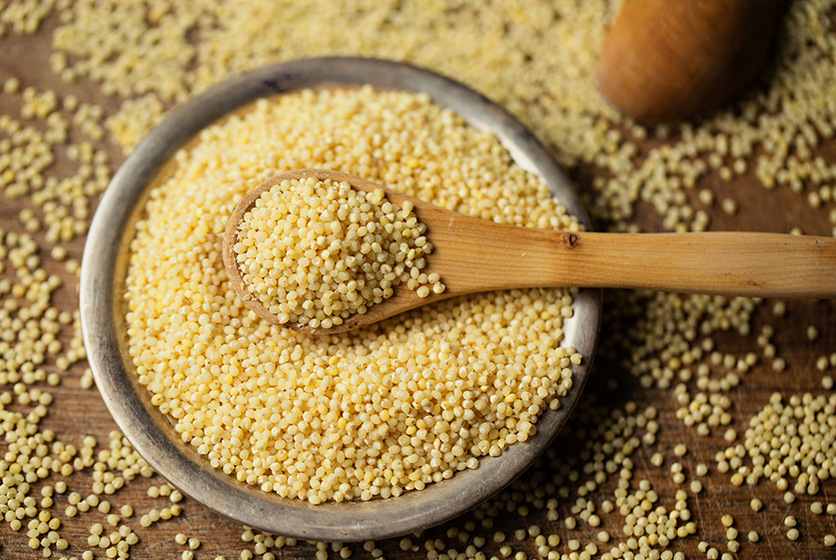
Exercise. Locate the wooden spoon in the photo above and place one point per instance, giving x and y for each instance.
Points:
(474, 255)
(664, 59)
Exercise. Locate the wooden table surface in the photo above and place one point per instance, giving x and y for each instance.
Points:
(77, 412)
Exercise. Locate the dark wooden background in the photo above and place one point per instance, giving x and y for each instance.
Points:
(77, 412)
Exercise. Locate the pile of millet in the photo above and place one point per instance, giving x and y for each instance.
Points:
(391, 408)
(316, 252)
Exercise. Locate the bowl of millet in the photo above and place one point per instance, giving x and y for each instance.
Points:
(352, 436)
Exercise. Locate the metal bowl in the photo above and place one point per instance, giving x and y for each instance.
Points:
(152, 434)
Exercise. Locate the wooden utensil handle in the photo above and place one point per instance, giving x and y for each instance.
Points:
(722, 263)
(733, 264)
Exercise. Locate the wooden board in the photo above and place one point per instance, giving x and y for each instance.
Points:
(78, 412)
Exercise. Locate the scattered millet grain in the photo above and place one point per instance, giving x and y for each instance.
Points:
(11, 85)
(729, 206)
(777, 159)
(768, 433)
(706, 197)
(816, 507)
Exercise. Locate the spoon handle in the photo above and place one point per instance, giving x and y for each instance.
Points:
(722, 263)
